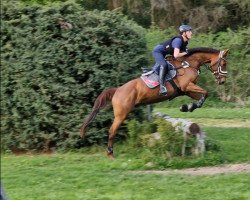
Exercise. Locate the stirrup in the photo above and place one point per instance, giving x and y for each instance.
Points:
(163, 91)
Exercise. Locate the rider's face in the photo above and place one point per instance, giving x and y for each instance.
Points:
(188, 34)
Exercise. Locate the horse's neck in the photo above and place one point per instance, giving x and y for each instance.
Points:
(195, 60)
(199, 59)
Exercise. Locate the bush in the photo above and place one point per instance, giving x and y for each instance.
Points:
(159, 145)
(55, 61)
(154, 142)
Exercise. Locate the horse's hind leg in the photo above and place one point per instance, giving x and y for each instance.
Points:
(112, 132)
(120, 114)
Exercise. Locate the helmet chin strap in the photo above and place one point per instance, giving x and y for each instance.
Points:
(185, 36)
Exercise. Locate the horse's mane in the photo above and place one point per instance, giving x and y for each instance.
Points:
(202, 50)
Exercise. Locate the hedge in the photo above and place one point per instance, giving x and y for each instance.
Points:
(56, 60)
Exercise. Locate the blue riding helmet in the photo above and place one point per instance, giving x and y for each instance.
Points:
(184, 28)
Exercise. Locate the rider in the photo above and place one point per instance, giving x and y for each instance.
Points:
(176, 47)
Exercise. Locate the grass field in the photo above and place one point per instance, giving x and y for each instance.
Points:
(209, 113)
(75, 176)
(89, 175)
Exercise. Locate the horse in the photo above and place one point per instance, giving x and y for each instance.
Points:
(136, 92)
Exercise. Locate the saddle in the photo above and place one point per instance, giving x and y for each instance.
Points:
(151, 78)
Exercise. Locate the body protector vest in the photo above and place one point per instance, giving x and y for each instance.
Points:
(168, 45)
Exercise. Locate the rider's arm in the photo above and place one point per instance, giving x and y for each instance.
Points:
(177, 53)
(176, 44)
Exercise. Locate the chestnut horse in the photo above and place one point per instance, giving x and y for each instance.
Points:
(136, 92)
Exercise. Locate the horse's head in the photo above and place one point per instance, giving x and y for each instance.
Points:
(218, 66)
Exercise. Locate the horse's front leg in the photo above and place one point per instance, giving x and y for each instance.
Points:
(197, 93)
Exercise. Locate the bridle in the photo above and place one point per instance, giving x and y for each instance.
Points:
(219, 72)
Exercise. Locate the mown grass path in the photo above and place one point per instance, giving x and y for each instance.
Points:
(213, 117)
(209, 113)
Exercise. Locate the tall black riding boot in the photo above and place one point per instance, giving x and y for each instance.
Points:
(162, 75)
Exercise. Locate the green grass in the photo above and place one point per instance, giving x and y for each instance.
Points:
(211, 113)
(234, 142)
(75, 176)
(89, 175)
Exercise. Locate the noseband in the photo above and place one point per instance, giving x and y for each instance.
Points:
(219, 72)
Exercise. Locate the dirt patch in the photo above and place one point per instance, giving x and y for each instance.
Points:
(224, 169)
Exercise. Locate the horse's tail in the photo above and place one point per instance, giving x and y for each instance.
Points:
(102, 100)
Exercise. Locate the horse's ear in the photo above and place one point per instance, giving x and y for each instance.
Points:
(225, 52)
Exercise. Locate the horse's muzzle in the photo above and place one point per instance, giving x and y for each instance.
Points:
(221, 80)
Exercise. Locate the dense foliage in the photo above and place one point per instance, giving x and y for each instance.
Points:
(55, 61)
(203, 15)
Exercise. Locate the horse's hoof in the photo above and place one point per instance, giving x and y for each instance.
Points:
(184, 108)
(192, 107)
(111, 156)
